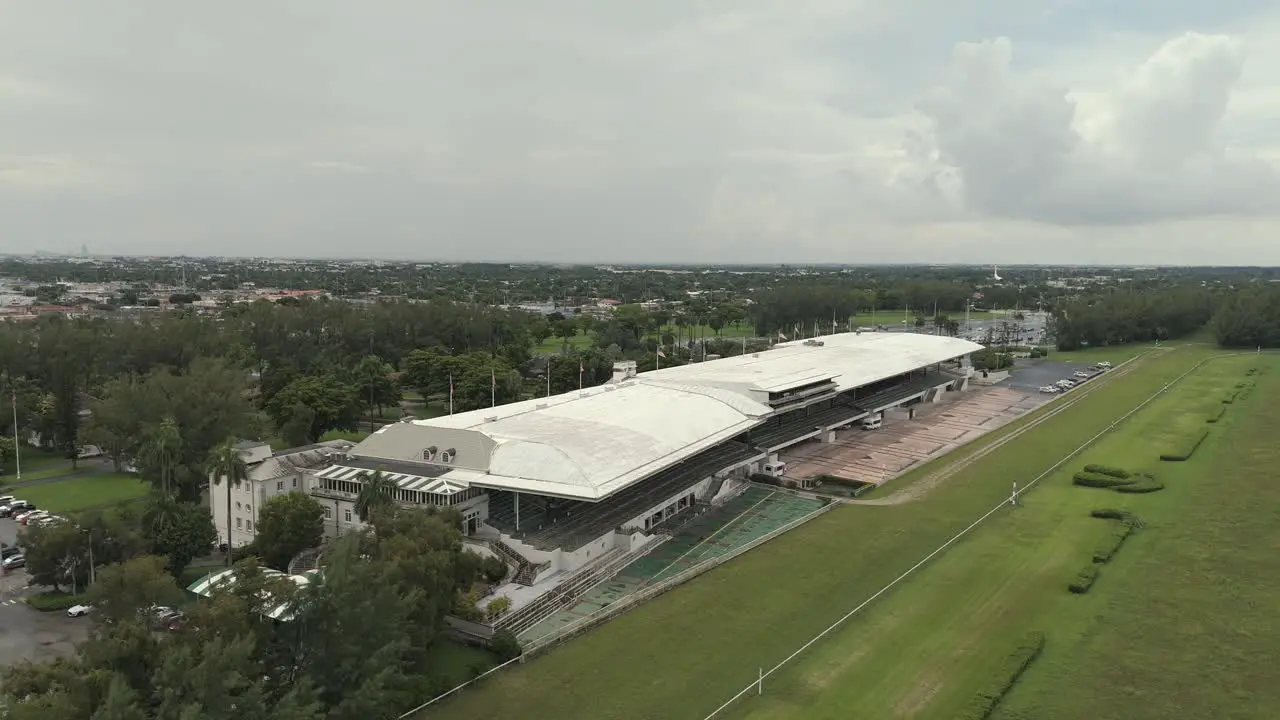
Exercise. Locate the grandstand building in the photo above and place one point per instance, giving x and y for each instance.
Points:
(555, 484)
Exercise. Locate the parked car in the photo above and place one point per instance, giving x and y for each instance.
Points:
(14, 561)
(1081, 374)
(79, 610)
(16, 507)
(1104, 365)
(9, 551)
(1048, 389)
(27, 517)
(6, 499)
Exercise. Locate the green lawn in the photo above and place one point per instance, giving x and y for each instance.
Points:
(687, 651)
(931, 645)
(47, 470)
(83, 492)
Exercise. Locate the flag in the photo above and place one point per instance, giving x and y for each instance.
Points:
(661, 354)
(493, 388)
(781, 336)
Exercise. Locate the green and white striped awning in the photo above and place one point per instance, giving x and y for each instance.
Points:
(405, 481)
(207, 585)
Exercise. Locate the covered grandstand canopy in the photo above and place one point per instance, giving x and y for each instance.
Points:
(591, 444)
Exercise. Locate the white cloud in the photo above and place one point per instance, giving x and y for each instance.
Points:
(755, 130)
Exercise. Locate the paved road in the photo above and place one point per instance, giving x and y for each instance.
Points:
(27, 634)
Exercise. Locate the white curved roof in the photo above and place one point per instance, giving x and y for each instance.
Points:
(592, 443)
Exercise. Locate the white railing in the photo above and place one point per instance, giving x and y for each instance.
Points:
(652, 591)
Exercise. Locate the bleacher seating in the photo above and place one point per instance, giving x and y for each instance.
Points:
(584, 522)
(800, 422)
(900, 392)
(502, 511)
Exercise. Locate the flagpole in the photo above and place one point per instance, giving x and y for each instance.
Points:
(17, 446)
(657, 357)
(450, 393)
(581, 370)
(493, 388)
(548, 376)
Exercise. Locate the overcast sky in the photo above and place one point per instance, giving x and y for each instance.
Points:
(852, 131)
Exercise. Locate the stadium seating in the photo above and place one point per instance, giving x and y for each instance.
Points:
(898, 393)
(799, 422)
(584, 522)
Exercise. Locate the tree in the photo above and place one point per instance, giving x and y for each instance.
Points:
(186, 533)
(375, 496)
(8, 451)
(121, 703)
(333, 401)
(377, 388)
(54, 554)
(296, 431)
(140, 582)
(287, 525)
(227, 468)
(161, 452)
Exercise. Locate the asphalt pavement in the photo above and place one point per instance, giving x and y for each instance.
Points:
(25, 633)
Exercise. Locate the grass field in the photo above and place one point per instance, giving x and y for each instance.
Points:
(78, 493)
(684, 653)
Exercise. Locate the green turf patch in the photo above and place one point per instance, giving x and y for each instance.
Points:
(85, 491)
(1006, 677)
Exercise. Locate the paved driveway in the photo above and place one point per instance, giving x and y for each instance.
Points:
(27, 634)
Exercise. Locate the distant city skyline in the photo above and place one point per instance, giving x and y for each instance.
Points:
(934, 131)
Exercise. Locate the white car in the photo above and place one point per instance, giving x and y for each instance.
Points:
(1104, 365)
(1048, 389)
(1065, 384)
(79, 610)
(1081, 374)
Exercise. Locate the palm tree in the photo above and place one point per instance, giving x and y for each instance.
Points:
(375, 495)
(226, 467)
(162, 450)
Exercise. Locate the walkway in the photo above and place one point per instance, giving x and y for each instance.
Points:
(751, 515)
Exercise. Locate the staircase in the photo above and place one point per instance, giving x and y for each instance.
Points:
(305, 561)
(712, 490)
(574, 587)
(526, 571)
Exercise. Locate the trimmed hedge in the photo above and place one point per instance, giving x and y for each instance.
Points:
(1216, 416)
(1114, 472)
(1110, 514)
(1010, 671)
(1145, 484)
(53, 601)
(1084, 579)
(1097, 480)
(1108, 548)
(1186, 452)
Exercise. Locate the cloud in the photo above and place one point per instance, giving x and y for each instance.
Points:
(1153, 151)
(759, 130)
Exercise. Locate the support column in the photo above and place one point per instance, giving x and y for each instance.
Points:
(517, 511)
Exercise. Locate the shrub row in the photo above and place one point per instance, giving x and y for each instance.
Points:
(1114, 472)
(1216, 416)
(1110, 546)
(1110, 514)
(1097, 480)
(1145, 484)
(1084, 579)
(53, 601)
(1230, 398)
(1007, 675)
(1186, 452)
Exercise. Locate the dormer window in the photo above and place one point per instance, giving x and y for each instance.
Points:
(429, 454)
(448, 455)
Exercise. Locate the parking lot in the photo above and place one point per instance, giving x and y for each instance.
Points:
(1030, 375)
(27, 634)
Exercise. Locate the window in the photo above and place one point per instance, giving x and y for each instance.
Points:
(295, 482)
(279, 486)
(237, 505)
(249, 525)
(238, 522)
(328, 513)
(348, 516)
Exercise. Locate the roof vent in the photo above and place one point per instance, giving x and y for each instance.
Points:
(540, 406)
(491, 418)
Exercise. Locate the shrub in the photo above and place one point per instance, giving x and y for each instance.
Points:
(1007, 675)
(493, 569)
(505, 645)
(1114, 472)
(1187, 451)
(1097, 480)
(765, 478)
(497, 607)
(1146, 484)
(1084, 579)
(1217, 416)
(1111, 545)
(53, 601)
(1110, 514)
